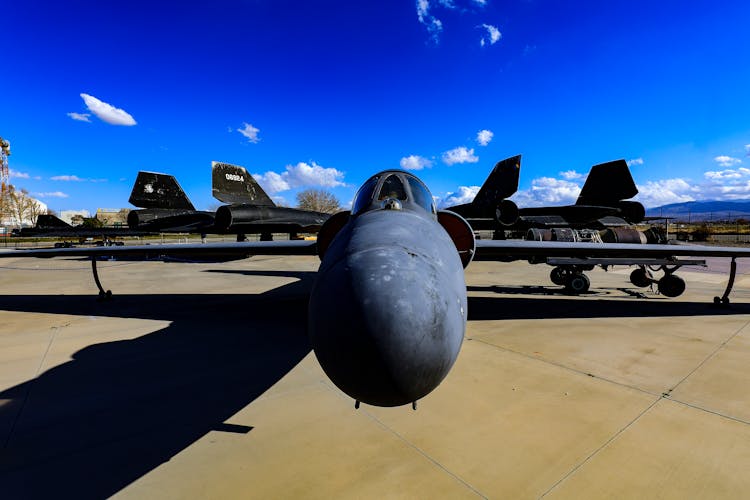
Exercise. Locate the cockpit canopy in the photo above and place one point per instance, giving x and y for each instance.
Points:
(393, 185)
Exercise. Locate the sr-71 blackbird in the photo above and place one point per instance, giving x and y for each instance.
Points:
(388, 310)
(164, 207)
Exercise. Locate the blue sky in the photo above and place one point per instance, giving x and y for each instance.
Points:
(326, 93)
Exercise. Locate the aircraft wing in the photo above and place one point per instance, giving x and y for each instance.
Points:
(186, 251)
(524, 249)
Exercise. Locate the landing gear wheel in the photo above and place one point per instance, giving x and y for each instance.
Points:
(641, 278)
(671, 285)
(557, 275)
(578, 283)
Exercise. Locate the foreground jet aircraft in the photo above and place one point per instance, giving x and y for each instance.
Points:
(603, 202)
(387, 313)
(165, 207)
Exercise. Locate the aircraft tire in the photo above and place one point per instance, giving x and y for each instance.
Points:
(578, 283)
(557, 276)
(641, 278)
(671, 285)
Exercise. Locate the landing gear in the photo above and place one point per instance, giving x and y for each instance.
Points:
(571, 277)
(641, 277)
(103, 295)
(724, 299)
(671, 285)
(577, 283)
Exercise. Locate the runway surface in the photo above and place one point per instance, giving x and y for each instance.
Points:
(197, 381)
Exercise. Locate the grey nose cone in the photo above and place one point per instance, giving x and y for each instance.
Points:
(386, 324)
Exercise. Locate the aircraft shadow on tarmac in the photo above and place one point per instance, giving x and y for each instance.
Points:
(91, 426)
(554, 303)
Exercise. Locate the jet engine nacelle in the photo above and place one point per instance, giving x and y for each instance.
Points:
(632, 211)
(228, 216)
(329, 230)
(623, 235)
(506, 213)
(461, 233)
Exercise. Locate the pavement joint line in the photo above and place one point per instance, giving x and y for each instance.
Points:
(55, 329)
(565, 367)
(425, 454)
(710, 356)
(401, 438)
(707, 410)
(600, 448)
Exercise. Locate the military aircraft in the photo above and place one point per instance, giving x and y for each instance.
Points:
(602, 203)
(388, 310)
(164, 207)
(48, 225)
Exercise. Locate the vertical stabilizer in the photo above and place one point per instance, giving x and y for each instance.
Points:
(153, 190)
(47, 221)
(608, 183)
(501, 183)
(234, 185)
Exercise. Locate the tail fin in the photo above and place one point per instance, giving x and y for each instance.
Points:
(46, 221)
(607, 184)
(501, 183)
(233, 184)
(153, 190)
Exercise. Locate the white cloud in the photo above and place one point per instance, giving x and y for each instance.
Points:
(434, 25)
(547, 191)
(18, 175)
(484, 137)
(727, 161)
(635, 162)
(571, 175)
(726, 174)
(465, 194)
(81, 117)
(493, 35)
(414, 162)
(460, 154)
(481, 2)
(250, 132)
(55, 194)
(67, 178)
(666, 191)
(106, 112)
(300, 175)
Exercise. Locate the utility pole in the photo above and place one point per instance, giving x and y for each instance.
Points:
(4, 154)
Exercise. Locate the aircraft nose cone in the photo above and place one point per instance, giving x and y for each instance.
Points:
(386, 324)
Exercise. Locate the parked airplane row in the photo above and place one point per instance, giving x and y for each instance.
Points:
(388, 309)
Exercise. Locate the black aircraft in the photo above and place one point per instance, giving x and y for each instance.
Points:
(164, 207)
(48, 225)
(388, 310)
(603, 202)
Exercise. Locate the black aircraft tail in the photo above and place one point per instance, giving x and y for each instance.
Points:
(46, 221)
(607, 184)
(153, 190)
(501, 183)
(234, 185)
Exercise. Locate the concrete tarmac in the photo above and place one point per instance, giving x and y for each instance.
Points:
(197, 381)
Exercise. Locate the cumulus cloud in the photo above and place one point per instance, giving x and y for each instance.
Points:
(664, 192)
(55, 194)
(481, 2)
(67, 178)
(17, 175)
(492, 37)
(414, 162)
(433, 24)
(106, 112)
(571, 175)
(484, 137)
(81, 117)
(635, 162)
(547, 191)
(465, 194)
(250, 132)
(727, 174)
(727, 161)
(460, 154)
(300, 175)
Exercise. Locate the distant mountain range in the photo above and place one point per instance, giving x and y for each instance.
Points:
(703, 210)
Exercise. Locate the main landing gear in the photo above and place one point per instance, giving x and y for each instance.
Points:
(572, 278)
(669, 285)
(103, 295)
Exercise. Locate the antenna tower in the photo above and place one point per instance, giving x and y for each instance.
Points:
(4, 172)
